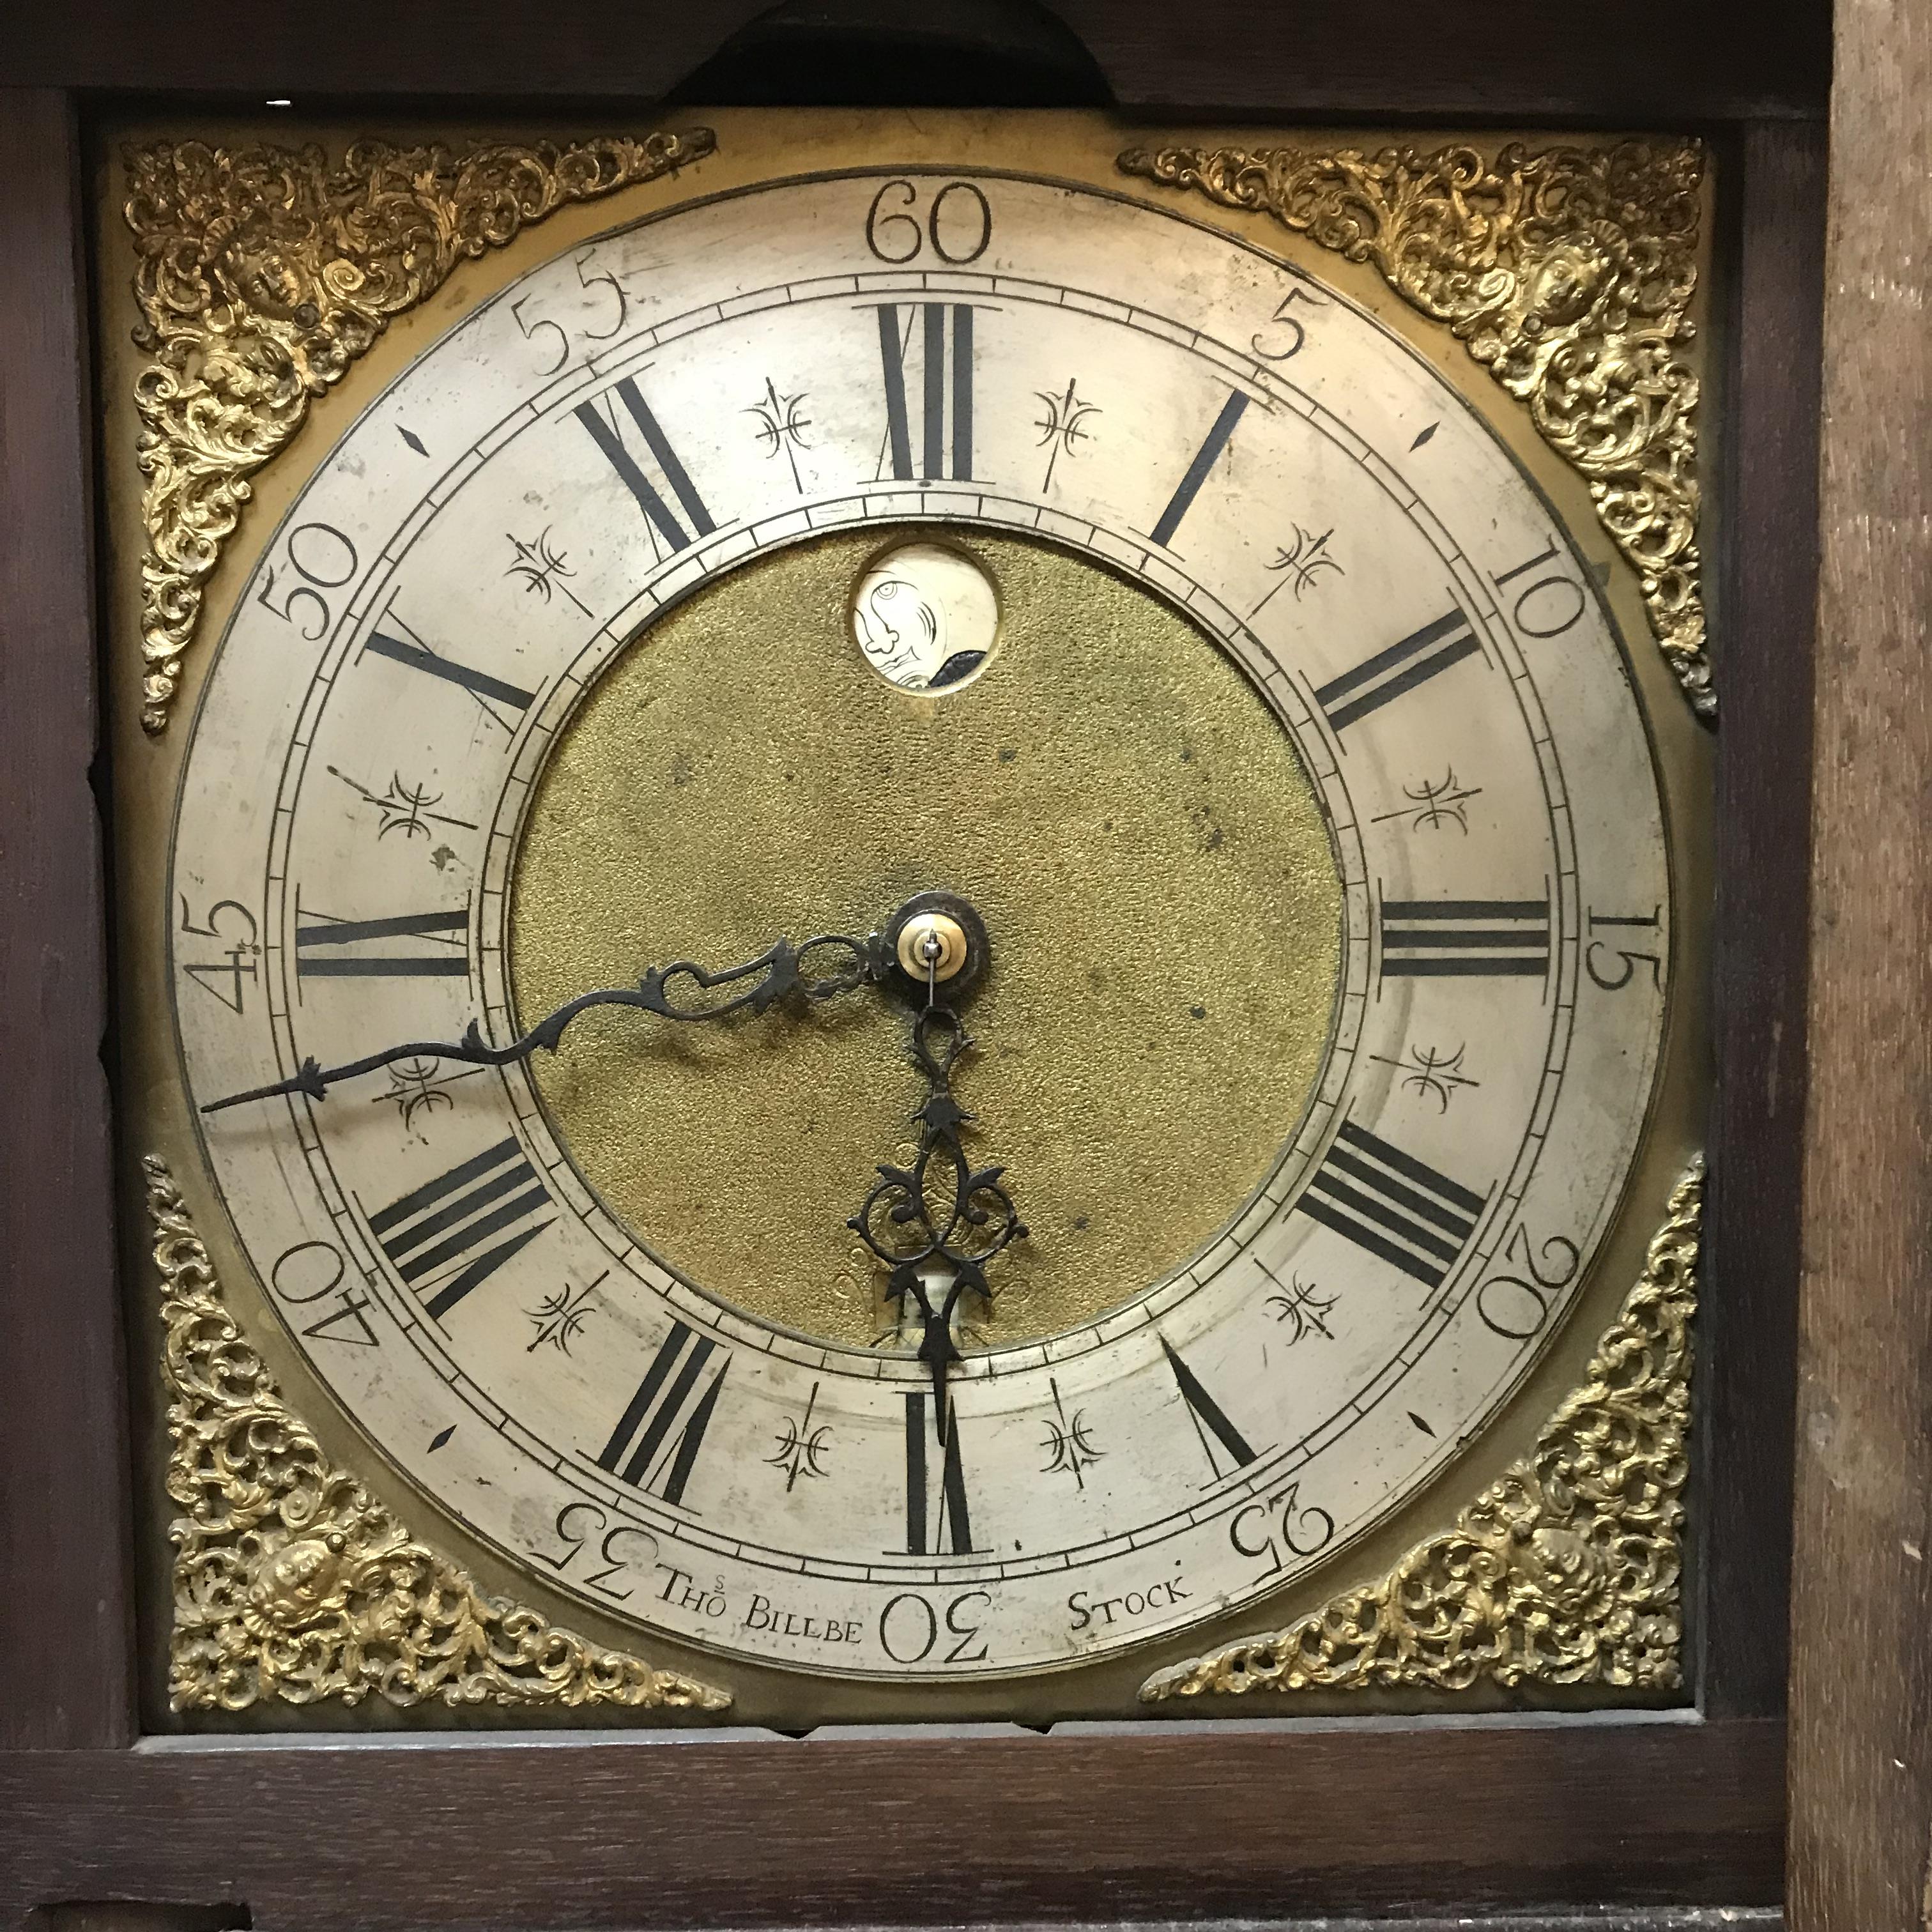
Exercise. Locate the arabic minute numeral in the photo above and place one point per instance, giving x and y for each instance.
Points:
(958, 224)
(910, 1628)
(310, 1274)
(624, 1551)
(239, 934)
(298, 1275)
(1285, 327)
(1549, 606)
(1631, 959)
(1304, 1530)
(533, 326)
(1516, 1306)
(1280, 1527)
(312, 551)
(610, 281)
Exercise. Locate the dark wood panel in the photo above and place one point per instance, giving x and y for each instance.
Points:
(1765, 504)
(1159, 1822)
(65, 1679)
(120, 1916)
(1637, 60)
(1861, 1605)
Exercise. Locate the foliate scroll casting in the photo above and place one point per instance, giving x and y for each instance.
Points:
(1566, 1570)
(1568, 273)
(291, 1582)
(262, 273)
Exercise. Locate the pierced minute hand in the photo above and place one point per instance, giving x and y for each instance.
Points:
(779, 970)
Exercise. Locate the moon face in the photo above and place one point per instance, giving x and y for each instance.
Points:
(926, 617)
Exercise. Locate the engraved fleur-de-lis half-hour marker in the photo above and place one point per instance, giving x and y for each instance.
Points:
(782, 423)
(1434, 803)
(560, 1318)
(1068, 1441)
(406, 808)
(1300, 564)
(421, 1086)
(802, 1445)
(1299, 1306)
(1431, 1073)
(1062, 426)
(542, 566)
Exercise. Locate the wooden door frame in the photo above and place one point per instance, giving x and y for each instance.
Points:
(1861, 1674)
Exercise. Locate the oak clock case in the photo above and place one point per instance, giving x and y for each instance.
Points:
(1187, 780)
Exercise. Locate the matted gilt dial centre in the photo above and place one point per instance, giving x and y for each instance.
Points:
(1109, 792)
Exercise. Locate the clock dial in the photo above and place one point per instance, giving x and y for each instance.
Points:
(741, 576)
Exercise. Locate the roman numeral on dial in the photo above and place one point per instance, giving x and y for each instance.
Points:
(458, 1217)
(1391, 1204)
(606, 432)
(1209, 1417)
(656, 1443)
(1465, 938)
(944, 330)
(480, 684)
(381, 949)
(1188, 487)
(1380, 679)
(927, 1526)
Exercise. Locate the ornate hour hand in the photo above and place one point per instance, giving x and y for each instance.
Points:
(781, 971)
(937, 1223)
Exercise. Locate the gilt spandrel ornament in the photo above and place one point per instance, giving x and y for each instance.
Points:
(1568, 273)
(1568, 1570)
(292, 1584)
(263, 272)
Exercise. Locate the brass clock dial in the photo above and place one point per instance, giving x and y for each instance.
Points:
(747, 572)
